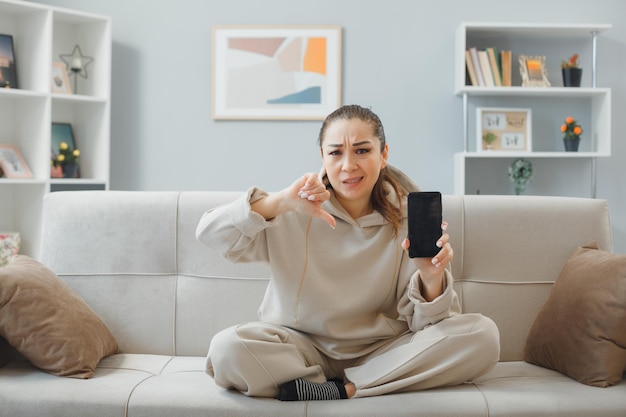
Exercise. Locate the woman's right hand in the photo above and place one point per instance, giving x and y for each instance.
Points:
(306, 196)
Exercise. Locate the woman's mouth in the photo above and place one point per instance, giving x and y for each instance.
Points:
(353, 180)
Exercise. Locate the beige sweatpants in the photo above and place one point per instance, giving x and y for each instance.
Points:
(256, 358)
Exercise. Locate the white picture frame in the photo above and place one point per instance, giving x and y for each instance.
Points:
(511, 129)
(533, 71)
(59, 80)
(12, 163)
(262, 72)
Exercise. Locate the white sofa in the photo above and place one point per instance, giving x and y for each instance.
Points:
(133, 257)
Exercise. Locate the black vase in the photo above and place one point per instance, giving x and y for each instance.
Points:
(70, 171)
(571, 145)
(572, 77)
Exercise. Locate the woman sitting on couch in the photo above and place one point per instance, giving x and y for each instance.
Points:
(346, 313)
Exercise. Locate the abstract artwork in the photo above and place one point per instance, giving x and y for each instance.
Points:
(276, 72)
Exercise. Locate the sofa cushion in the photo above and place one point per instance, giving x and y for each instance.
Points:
(581, 329)
(48, 323)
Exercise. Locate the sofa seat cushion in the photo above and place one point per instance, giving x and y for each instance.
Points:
(131, 385)
(48, 323)
(581, 328)
(457, 401)
(522, 389)
(136, 385)
(184, 389)
(26, 391)
(179, 386)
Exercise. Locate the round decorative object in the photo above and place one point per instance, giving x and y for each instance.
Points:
(520, 173)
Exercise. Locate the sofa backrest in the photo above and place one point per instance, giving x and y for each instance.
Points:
(508, 251)
(133, 256)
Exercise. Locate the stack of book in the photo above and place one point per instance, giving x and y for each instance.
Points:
(488, 68)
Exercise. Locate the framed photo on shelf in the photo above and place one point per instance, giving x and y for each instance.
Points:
(8, 73)
(503, 129)
(60, 82)
(12, 163)
(533, 71)
(275, 72)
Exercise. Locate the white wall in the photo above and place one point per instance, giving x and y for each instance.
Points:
(398, 59)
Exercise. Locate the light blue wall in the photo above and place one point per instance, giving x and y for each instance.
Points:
(398, 59)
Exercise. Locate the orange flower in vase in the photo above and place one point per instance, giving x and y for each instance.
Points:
(572, 73)
(572, 132)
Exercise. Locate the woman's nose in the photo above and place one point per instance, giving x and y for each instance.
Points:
(349, 162)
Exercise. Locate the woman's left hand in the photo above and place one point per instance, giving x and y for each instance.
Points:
(432, 269)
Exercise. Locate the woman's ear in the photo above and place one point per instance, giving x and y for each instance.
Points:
(322, 174)
(385, 156)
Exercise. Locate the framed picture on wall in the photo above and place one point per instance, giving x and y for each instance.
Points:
(503, 129)
(8, 73)
(12, 163)
(275, 72)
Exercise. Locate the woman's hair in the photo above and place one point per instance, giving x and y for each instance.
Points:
(390, 211)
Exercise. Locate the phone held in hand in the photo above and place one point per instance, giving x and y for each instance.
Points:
(425, 218)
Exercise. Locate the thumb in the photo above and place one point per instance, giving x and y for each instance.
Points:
(328, 218)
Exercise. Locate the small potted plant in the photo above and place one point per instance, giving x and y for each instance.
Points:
(572, 131)
(67, 159)
(572, 73)
(489, 138)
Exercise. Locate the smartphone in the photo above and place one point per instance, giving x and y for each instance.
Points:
(424, 212)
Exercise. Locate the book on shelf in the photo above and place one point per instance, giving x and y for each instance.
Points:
(470, 69)
(495, 66)
(477, 69)
(485, 67)
(505, 63)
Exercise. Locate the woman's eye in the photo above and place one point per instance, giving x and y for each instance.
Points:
(362, 151)
(334, 153)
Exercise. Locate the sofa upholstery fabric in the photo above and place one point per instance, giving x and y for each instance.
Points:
(163, 295)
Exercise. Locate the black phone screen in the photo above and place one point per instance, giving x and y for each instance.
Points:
(424, 211)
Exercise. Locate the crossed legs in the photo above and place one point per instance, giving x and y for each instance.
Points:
(257, 358)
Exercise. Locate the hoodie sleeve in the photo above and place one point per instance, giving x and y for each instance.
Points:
(234, 231)
(420, 313)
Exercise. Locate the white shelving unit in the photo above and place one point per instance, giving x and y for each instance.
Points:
(590, 105)
(40, 34)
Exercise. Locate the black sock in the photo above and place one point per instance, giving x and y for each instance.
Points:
(303, 390)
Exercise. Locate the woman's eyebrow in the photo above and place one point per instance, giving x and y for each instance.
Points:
(339, 145)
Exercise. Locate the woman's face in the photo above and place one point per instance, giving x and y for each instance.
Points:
(353, 160)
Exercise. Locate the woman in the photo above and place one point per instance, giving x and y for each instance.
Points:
(346, 313)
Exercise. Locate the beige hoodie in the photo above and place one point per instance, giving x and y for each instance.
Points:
(350, 289)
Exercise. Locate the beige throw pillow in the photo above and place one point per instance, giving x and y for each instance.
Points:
(581, 329)
(48, 323)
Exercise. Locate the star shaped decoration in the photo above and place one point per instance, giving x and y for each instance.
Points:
(76, 62)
